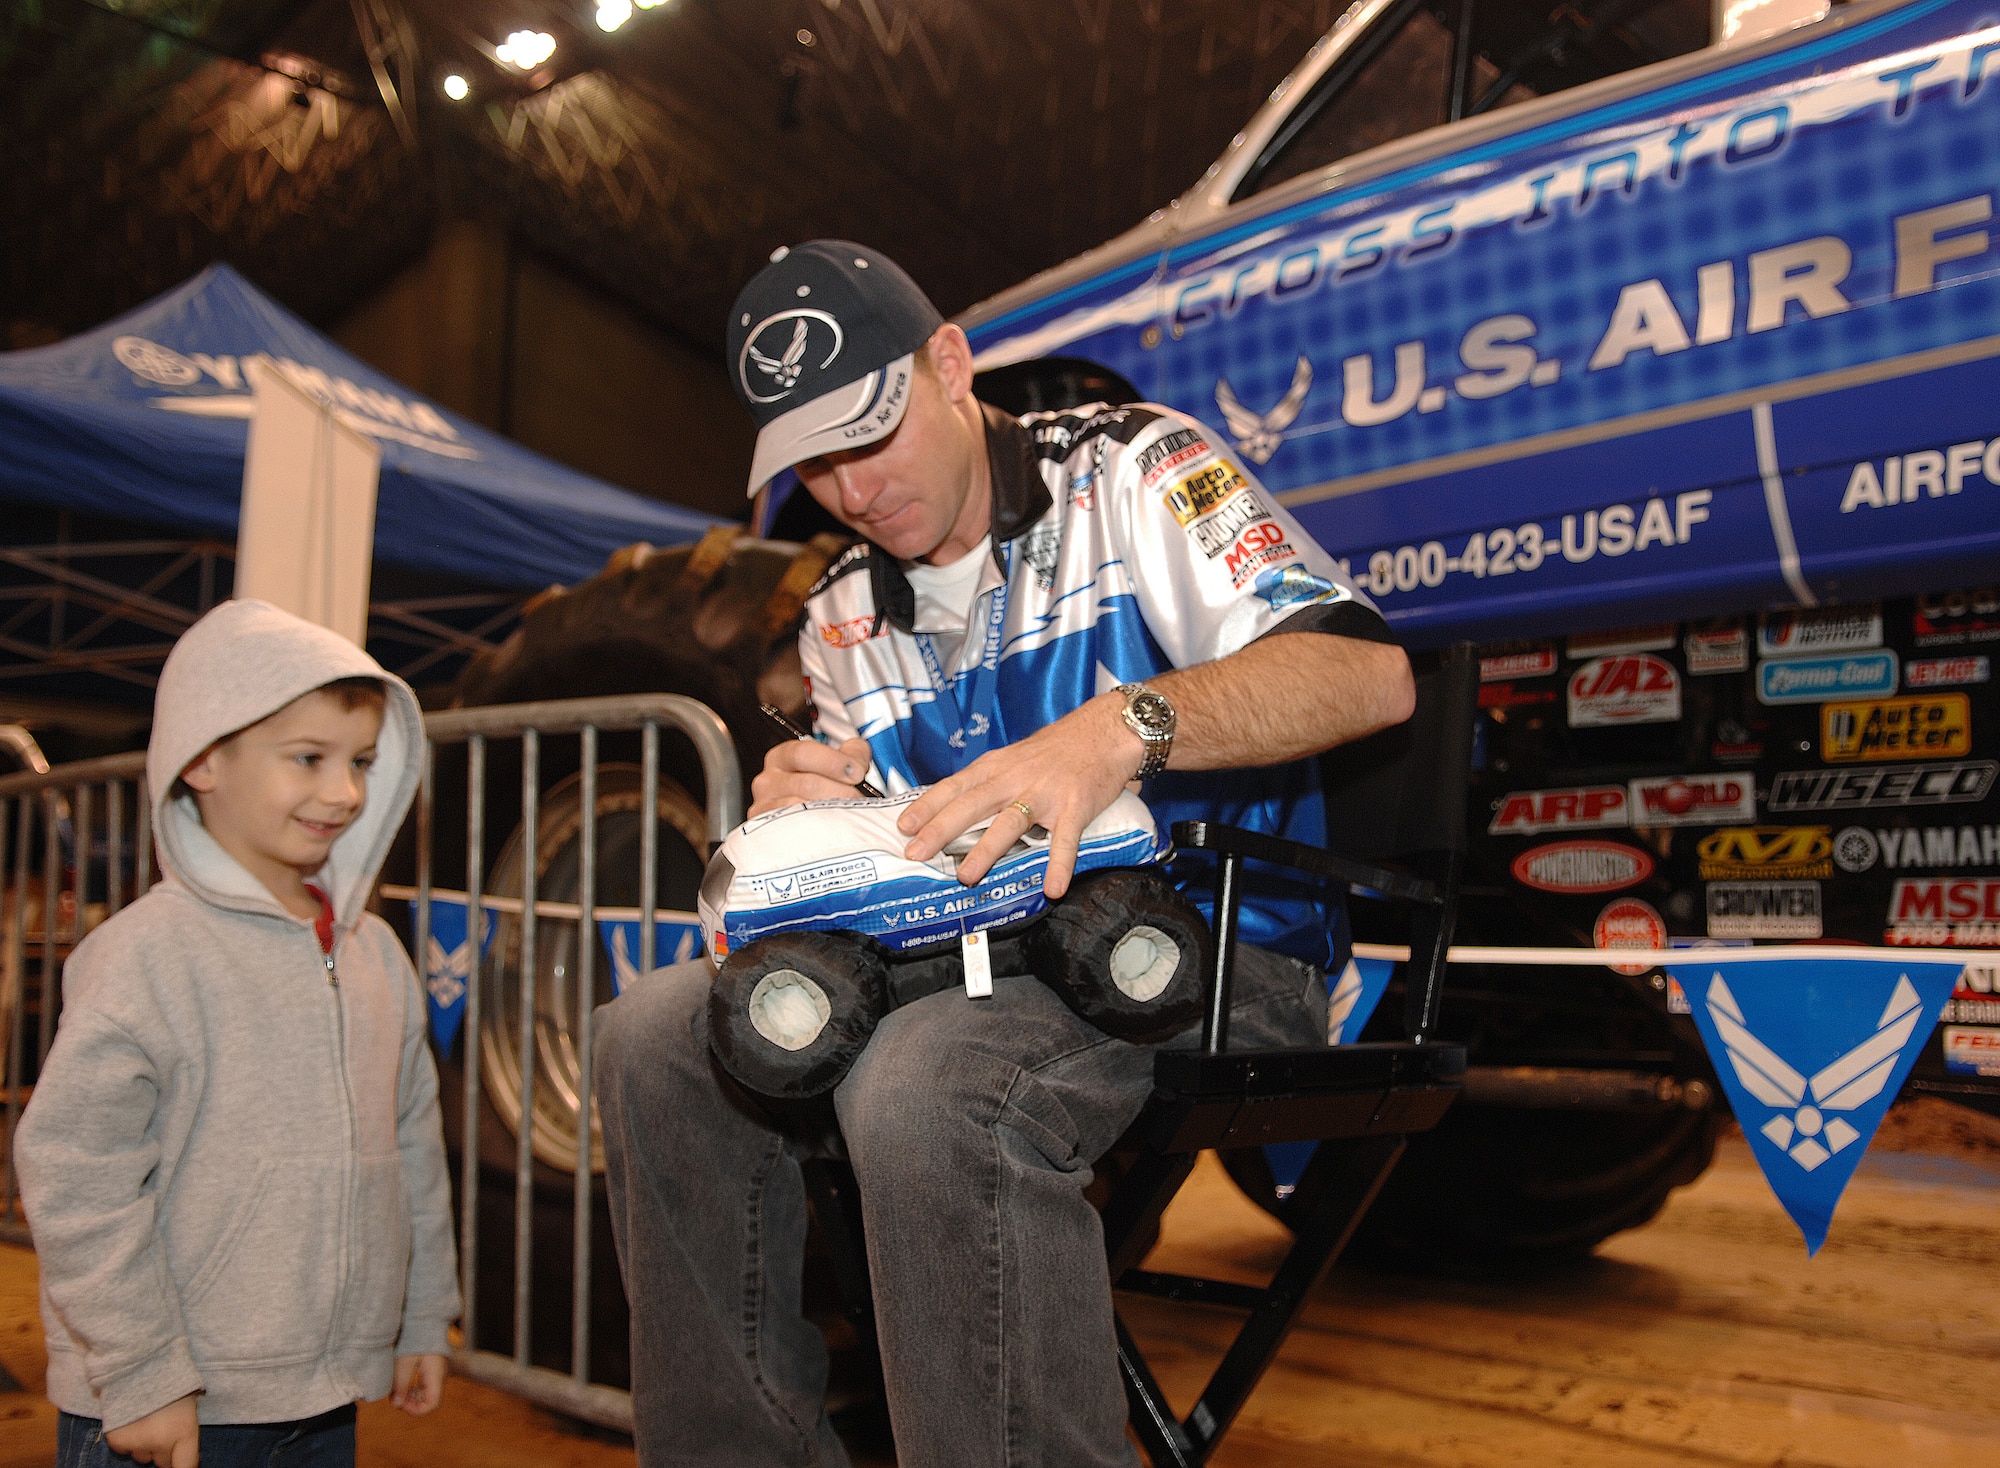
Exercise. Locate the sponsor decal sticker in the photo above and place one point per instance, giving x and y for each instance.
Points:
(1622, 639)
(1976, 999)
(1170, 451)
(1957, 618)
(1944, 912)
(1507, 696)
(1582, 867)
(1628, 688)
(1535, 664)
(1971, 1052)
(1716, 647)
(800, 883)
(1259, 546)
(1734, 742)
(1629, 923)
(1693, 800)
(1947, 672)
(1815, 680)
(1763, 910)
(1896, 728)
(1525, 812)
(1203, 491)
(1766, 851)
(1831, 629)
(1939, 846)
(1855, 849)
(1964, 783)
(1213, 533)
(1289, 586)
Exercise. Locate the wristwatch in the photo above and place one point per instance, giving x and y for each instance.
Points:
(1149, 715)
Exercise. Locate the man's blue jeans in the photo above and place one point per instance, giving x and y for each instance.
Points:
(972, 1127)
(325, 1441)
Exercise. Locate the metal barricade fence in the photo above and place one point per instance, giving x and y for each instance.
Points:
(50, 827)
(68, 799)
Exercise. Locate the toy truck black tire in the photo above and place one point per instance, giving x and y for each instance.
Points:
(789, 1014)
(1125, 951)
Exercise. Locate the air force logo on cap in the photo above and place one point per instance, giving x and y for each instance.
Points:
(824, 341)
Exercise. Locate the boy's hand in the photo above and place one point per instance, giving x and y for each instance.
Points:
(419, 1384)
(170, 1437)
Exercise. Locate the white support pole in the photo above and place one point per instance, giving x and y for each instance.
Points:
(307, 534)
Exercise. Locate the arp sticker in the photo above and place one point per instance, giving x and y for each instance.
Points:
(1896, 728)
(1583, 807)
(1626, 688)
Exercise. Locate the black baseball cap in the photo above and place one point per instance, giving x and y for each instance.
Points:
(822, 343)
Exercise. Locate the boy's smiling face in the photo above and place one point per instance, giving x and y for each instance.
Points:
(278, 794)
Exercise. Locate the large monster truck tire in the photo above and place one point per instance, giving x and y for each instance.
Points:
(1126, 952)
(1503, 1189)
(789, 1015)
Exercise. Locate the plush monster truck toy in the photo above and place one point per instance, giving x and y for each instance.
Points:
(819, 925)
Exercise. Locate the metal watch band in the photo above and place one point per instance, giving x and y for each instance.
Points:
(1158, 736)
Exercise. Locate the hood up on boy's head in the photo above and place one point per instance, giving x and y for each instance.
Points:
(239, 664)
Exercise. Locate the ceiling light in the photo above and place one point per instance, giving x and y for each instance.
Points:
(455, 87)
(611, 14)
(526, 50)
(650, 4)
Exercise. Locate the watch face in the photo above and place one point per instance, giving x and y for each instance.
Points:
(1153, 711)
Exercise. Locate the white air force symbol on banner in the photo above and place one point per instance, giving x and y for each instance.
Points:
(1806, 1135)
(1259, 436)
(448, 973)
(782, 354)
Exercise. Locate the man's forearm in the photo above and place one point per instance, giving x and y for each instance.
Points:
(1283, 697)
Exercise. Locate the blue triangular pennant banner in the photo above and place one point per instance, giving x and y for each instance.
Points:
(1810, 1053)
(672, 943)
(448, 966)
(1352, 995)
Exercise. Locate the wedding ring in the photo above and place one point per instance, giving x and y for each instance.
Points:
(1025, 809)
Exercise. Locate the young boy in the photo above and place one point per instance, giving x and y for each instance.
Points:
(233, 1163)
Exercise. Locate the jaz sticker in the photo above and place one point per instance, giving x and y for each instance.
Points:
(1629, 688)
(1811, 1052)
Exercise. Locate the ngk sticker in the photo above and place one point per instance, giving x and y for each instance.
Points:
(1527, 812)
(1945, 912)
(1629, 923)
(1582, 867)
(1693, 800)
(1630, 688)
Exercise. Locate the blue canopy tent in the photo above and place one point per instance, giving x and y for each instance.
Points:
(145, 418)
(140, 427)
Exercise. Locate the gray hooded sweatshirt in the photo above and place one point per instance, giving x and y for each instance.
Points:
(233, 1162)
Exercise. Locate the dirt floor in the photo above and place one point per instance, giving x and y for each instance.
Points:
(1705, 1338)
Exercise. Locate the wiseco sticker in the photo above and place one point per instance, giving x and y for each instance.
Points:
(1525, 812)
(1896, 728)
(1582, 867)
(1693, 800)
(1629, 688)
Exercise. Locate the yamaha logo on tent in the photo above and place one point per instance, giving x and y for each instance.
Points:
(786, 348)
(1811, 1053)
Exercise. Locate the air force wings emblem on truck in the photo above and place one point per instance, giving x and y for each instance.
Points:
(1259, 435)
(1810, 1053)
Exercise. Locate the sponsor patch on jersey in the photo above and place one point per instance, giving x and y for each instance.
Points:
(1536, 663)
(1963, 783)
(1170, 451)
(1215, 533)
(1291, 586)
(1582, 867)
(1896, 728)
(1716, 647)
(1815, 680)
(851, 633)
(1827, 629)
(1947, 672)
(1944, 912)
(1260, 546)
(1204, 490)
(1581, 808)
(1693, 800)
(1971, 1052)
(1628, 688)
(1766, 851)
(1629, 923)
(1764, 910)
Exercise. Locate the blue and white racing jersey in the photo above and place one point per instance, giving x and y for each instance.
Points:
(1125, 542)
